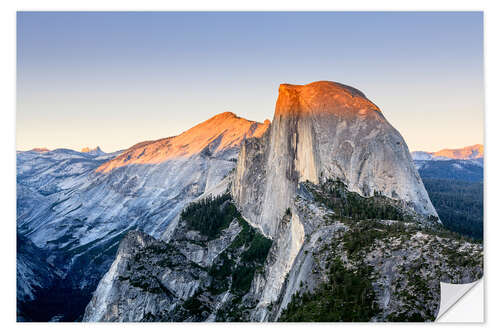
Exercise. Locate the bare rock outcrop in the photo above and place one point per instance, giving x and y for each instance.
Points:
(324, 130)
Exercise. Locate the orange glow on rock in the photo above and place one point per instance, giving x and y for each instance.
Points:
(223, 131)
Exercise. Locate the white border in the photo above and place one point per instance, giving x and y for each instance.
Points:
(462, 311)
(7, 88)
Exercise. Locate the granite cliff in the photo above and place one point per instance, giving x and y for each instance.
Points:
(325, 218)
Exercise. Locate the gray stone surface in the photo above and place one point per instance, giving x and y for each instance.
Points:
(320, 131)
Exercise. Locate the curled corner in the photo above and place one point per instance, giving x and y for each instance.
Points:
(451, 294)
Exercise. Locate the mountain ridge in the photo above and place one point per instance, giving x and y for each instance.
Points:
(464, 153)
(219, 133)
(80, 215)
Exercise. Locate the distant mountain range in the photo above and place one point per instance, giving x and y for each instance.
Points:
(87, 150)
(93, 151)
(465, 153)
(454, 180)
(464, 164)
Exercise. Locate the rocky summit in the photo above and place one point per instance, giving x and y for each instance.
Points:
(93, 151)
(324, 218)
(218, 137)
(324, 130)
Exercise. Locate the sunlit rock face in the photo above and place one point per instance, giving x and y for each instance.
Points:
(323, 130)
(220, 135)
(284, 187)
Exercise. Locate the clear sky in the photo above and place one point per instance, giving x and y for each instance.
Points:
(115, 79)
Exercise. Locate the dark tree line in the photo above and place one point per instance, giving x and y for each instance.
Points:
(468, 171)
(347, 296)
(345, 204)
(459, 204)
(210, 215)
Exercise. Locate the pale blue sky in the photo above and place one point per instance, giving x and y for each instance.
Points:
(114, 79)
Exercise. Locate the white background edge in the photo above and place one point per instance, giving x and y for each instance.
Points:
(492, 132)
